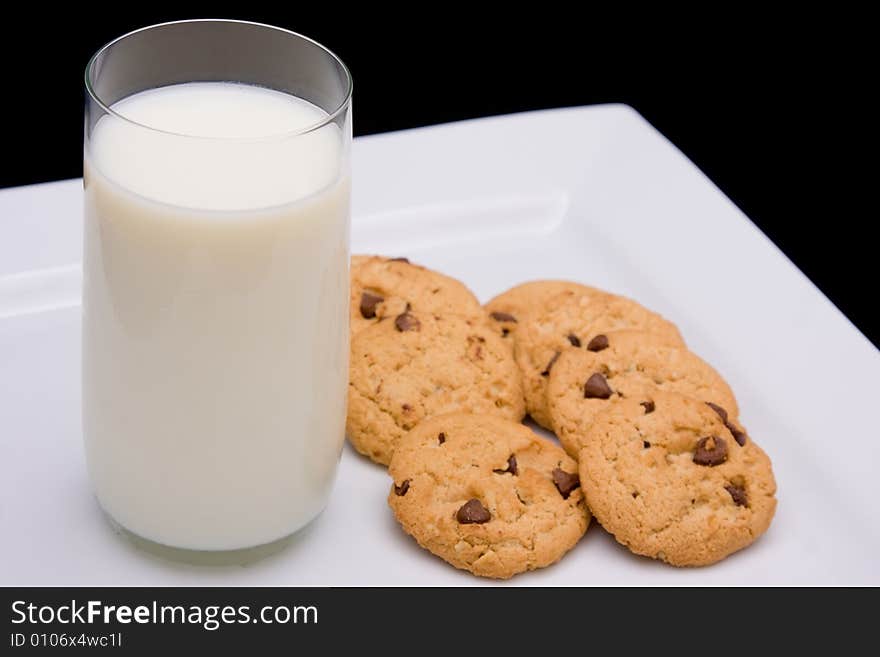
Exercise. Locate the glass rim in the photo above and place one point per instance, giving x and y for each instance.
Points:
(331, 116)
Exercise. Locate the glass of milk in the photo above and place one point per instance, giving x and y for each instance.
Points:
(215, 296)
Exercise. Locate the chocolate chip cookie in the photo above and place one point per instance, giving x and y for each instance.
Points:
(668, 478)
(415, 365)
(385, 287)
(486, 494)
(511, 308)
(576, 324)
(621, 365)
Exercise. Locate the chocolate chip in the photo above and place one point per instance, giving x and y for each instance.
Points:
(597, 387)
(720, 411)
(400, 491)
(407, 322)
(511, 467)
(406, 260)
(598, 343)
(711, 450)
(648, 406)
(505, 332)
(738, 436)
(502, 317)
(473, 512)
(565, 482)
(546, 371)
(646, 444)
(575, 340)
(738, 493)
(369, 301)
(441, 437)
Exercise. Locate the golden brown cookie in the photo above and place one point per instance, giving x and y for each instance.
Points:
(511, 308)
(620, 365)
(385, 287)
(670, 481)
(572, 325)
(487, 495)
(359, 259)
(415, 365)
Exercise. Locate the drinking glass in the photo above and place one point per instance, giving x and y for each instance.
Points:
(215, 292)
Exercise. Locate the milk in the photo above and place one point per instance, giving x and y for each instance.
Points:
(215, 329)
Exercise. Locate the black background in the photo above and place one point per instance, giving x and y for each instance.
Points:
(763, 105)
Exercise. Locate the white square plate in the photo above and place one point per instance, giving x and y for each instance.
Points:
(592, 194)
